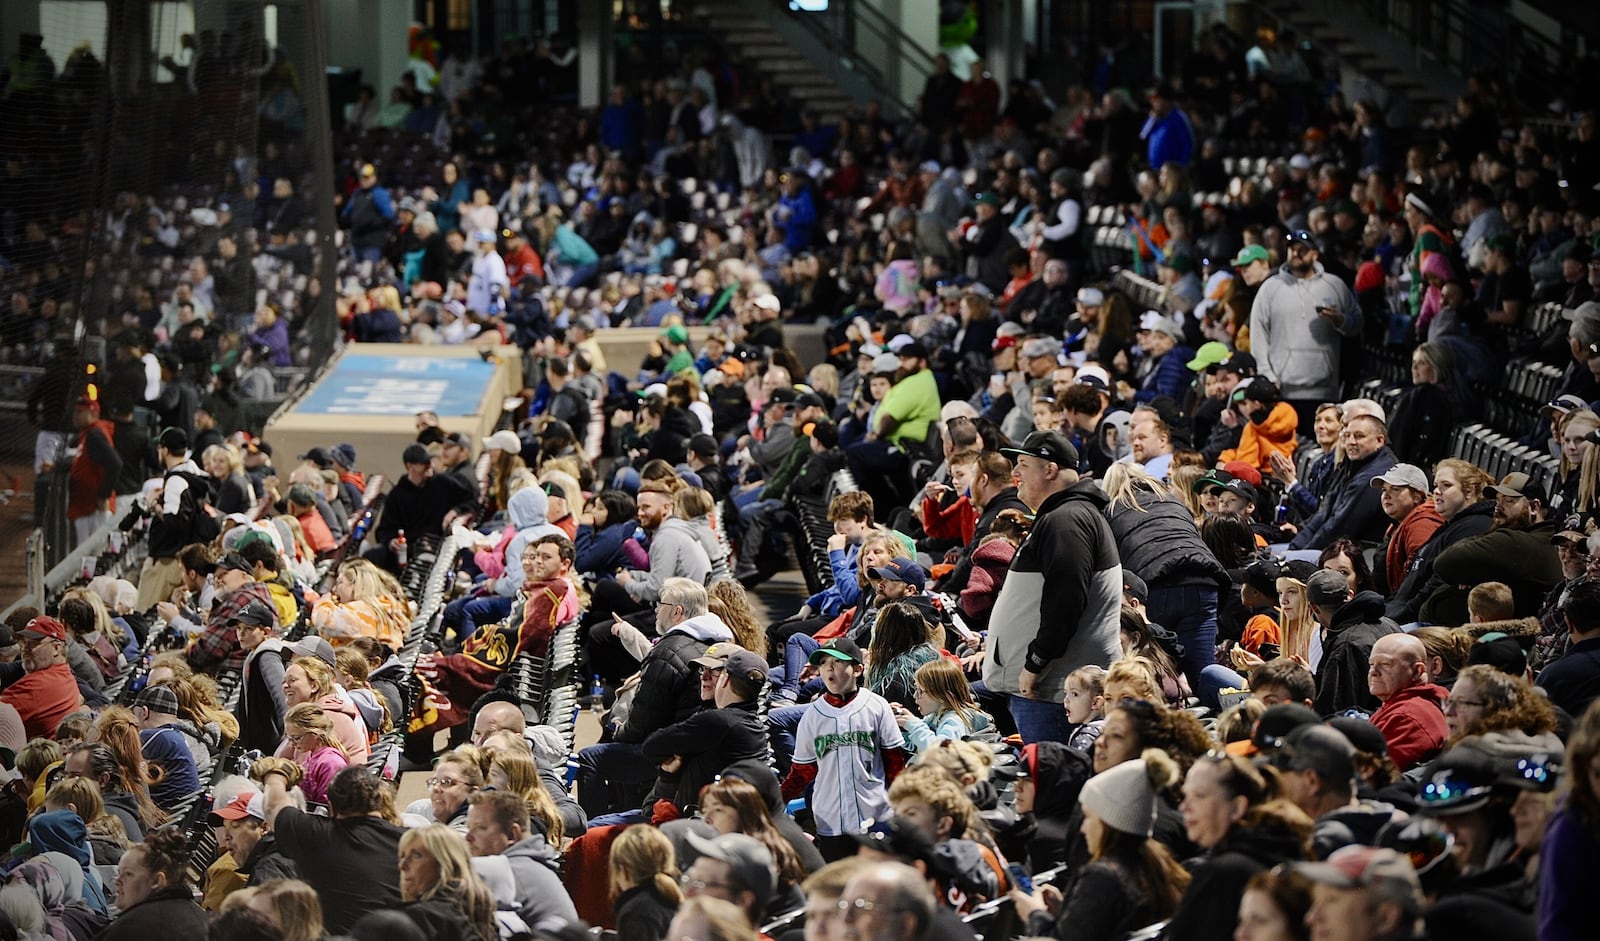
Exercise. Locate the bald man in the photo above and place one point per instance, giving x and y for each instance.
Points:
(506, 717)
(888, 902)
(1412, 715)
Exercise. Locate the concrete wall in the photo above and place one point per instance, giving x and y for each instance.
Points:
(369, 35)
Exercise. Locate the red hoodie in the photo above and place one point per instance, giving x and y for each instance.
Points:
(1412, 722)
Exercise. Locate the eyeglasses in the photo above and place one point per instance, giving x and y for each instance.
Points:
(700, 885)
(1452, 702)
(849, 907)
(444, 782)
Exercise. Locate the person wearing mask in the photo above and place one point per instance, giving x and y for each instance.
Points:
(1412, 715)
(1404, 493)
(1297, 324)
(1515, 551)
(1352, 509)
(1458, 497)
(1269, 426)
(1351, 624)
(1069, 563)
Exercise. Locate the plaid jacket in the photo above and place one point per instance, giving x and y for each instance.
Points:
(217, 647)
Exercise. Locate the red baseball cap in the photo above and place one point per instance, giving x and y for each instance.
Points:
(45, 627)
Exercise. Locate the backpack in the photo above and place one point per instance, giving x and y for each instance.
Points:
(203, 525)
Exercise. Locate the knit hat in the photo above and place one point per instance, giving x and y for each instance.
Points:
(1125, 797)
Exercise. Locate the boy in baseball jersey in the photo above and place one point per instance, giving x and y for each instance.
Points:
(848, 748)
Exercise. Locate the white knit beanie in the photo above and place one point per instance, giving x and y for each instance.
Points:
(1125, 796)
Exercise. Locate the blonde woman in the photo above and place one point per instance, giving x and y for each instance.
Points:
(294, 907)
(233, 491)
(726, 598)
(442, 892)
(644, 883)
(1571, 434)
(515, 769)
(310, 680)
(366, 602)
(317, 751)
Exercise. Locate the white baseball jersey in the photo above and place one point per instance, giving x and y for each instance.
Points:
(847, 744)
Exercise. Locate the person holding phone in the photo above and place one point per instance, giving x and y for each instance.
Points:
(1298, 323)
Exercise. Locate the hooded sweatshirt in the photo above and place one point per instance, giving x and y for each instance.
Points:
(1258, 441)
(528, 510)
(1297, 347)
(1412, 722)
(540, 894)
(675, 550)
(1061, 605)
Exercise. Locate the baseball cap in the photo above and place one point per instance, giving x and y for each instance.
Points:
(158, 699)
(1272, 729)
(503, 440)
(1570, 537)
(414, 454)
(769, 302)
(902, 570)
(235, 562)
(1161, 323)
(1001, 343)
(1403, 475)
(1312, 746)
(986, 199)
(897, 837)
(1363, 736)
(317, 456)
(87, 402)
(747, 664)
(1040, 347)
(1249, 255)
(256, 613)
(302, 495)
(1368, 867)
(1133, 585)
(716, 655)
(1210, 354)
(247, 804)
(1562, 405)
(931, 166)
(1501, 651)
(748, 857)
(676, 333)
(885, 364)
(1244, 470)
(1240, 362)
(1262, 574)
(1462, 780)
(1047, 445)
(1095, 377)
(1518, 484)
(914, 349)
(809, 400)
(784, 395)
(459, 439)
(174, 440)
(45, 627)
(1211, 478)
(314, 646)
(1091, 297)
(1327, 588)
(840, 648)
(483, 235)
(1242, 488)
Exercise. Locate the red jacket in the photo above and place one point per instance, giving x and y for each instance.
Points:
(958, 520)
(1412, 722)
(93, 477)
(1405, 538)
(43, 698)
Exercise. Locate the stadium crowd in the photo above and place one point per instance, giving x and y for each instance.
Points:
(1131, 613)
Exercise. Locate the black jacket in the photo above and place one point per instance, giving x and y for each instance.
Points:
(1523, 559)
(1342, 674)
(1421, 582)
(261, 706)
(1351, 507)
(1158, 541)
(419, 510)
(1006, 499)
(669, 685)
(266, 863)
(643, 914)
(1209, 908)
(708, 741)
(165, 913)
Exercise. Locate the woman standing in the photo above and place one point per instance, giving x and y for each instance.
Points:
(1131, 880)
(442, 892)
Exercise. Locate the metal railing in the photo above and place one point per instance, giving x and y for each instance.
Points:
(859, 38)
(1467, 37)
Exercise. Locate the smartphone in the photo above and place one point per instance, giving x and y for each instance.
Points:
(1020, 877)
(1269, 651)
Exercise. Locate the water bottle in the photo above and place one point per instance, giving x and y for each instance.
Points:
(360, 530)
(597, 695)
(400, 549)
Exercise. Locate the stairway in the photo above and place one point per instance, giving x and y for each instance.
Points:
(750, 34)
(1411, 88)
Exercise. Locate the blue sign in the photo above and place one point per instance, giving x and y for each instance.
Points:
(363, 384)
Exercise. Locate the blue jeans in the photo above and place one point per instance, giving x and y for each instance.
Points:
(372, 253)
(782, 724)
(612, 775)
(626, 818)
(1040, 720)
(797, 652)
(1190, 611)
(1213, 680)
(465, 614)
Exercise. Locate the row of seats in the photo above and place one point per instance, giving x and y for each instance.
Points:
(811, 539)
(1500, 454)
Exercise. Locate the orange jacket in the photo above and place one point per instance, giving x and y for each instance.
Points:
(1258, 442)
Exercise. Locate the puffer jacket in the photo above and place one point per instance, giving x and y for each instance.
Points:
(1258, 442)
(675, 550)
(1421, 581)
(669, 683)
(1157, 541)
(1342, 674)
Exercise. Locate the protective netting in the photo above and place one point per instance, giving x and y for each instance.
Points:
(159, 190)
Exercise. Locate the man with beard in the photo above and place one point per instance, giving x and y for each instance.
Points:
(1516, 550)
(1297, 323)
(1151, 441)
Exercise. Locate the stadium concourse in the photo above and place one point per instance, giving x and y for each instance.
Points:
(1184, 526)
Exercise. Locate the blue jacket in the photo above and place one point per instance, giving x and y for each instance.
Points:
(1350, 507)
(1170, 377)
(1168, 139)
(600, 551)
(799, 222)
(845, 591)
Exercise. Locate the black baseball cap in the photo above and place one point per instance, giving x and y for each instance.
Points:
(1046, 445)
(897, 837)
(1243, 488)
(317, 456)
(1262, 574)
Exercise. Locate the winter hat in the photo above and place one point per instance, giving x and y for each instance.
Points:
(1125, 797)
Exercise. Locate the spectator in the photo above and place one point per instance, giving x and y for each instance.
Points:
(244, 836)
(1411, 718)
(1353, 622)
(1516, 551)
(1369, 893)
(153, 893)
(172, 745)
(1296, 322)
(41, 686)
(1406, 501)
(1351, 508)
(1573, 681)
(498, 825)
(1458, 497)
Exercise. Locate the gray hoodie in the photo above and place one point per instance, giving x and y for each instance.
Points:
(527, 508)
(540, 894)
(1295, 346)
(675, 551)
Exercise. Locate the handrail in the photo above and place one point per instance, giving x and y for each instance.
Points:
(838, 29)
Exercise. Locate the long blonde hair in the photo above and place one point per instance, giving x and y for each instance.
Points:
(644, 856)
(726, 599)
(458, 882)
(1124, 480)
(521, 770)
(1296, 632)
(310, 717)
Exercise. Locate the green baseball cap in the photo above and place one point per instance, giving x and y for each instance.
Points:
(676, 333)
(1250, 254)
(1210, 354)
(986, 198)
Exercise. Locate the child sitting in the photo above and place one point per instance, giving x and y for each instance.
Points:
(944, 700)
(1085, 703)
